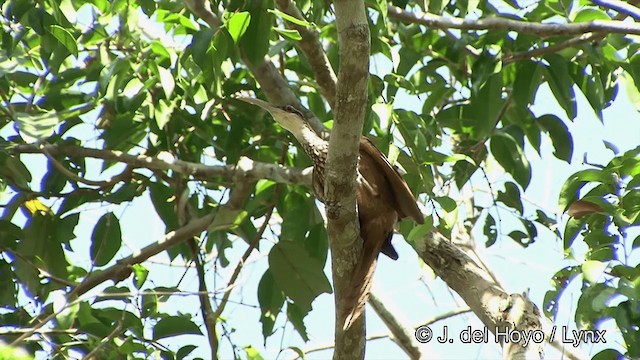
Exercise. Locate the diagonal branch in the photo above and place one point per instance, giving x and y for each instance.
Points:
(523, 27)
(497, 309)
(202, 9)
(510, 58)
(401, 335)
(312, 48)
(122, 269)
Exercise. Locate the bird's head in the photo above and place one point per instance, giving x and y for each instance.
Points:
(287, 116)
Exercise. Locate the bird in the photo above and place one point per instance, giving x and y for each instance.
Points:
(382, 196)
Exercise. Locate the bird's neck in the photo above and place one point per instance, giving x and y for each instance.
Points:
(315, 146)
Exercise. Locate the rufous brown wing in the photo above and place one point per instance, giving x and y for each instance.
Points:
(383, 197)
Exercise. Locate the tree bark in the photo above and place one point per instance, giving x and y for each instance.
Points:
(340, 172)
(500, 312)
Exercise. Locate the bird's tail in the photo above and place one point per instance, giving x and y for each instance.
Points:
(362, 279)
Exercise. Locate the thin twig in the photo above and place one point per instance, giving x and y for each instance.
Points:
(41, 271)
(252, 245)
(104, 341)
(510, 58)
(236, 272)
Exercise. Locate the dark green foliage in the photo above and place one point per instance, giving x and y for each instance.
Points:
(448, 106)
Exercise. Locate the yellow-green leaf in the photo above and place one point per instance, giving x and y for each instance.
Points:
(65, 38)
(238, 24)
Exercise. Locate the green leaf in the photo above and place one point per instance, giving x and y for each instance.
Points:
(509, 155)
(592, 88)
(14, 171)
(421, 230)
(571, 231)
(140, 274)
(532, 232)
(167, 81)
(559, 134)
(627, 319)
(593, 270)
(175, 325)
(159, 49)
(570, 188)
(40, 247)
(238, 24)
(447, 203)
(292, 35)
(163, 112)
(518, 236)
(296, 316)
(490, 230)
(125, 193)
(65, 227)
(483, 113)
(300, 276)
(525, 86)
(184, 351)
(298, 351)
(511, 196)
(255, 42)
(590, 14)
(162, 197)
(484, 67)
(291, 19)
(8, 352)
(252, 353)
(65, 38)
(66, 313)
(8, 288)
(9, 234)
(105, 239)
(149, 306)
(200, 45)
(560, 281)
(561, 84)
(601, 245)
(631, 86)
(607, 354)
(271, 299)
(34, 128)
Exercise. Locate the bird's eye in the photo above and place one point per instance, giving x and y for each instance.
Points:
(291, 109)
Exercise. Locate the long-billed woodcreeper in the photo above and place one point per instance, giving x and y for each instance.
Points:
(382, 196)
